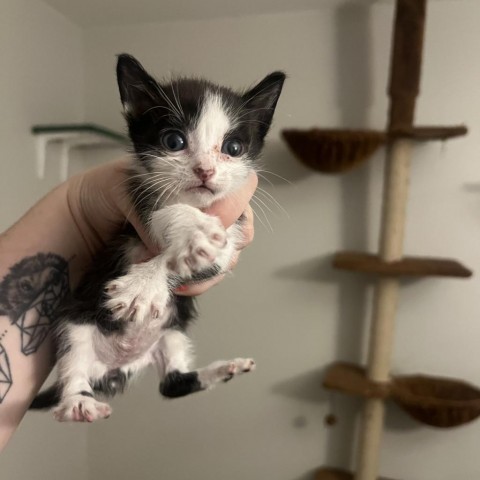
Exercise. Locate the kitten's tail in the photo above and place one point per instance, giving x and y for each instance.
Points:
(46, 399)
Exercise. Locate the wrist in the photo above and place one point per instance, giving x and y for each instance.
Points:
(48, 227)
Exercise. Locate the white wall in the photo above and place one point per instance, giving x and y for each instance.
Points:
(41, 81)
(285, 306)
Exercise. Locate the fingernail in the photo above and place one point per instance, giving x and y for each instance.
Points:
(182, 288)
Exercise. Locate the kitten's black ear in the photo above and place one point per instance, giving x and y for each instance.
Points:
(137, 88)
(262, 99)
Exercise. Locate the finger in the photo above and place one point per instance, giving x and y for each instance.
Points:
(230, 208)
(248, 230)
(234, 260)
(198, 288)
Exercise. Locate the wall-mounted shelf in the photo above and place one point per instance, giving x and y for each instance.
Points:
(406, 267)
(425, 134)
(350, 379)
(436, 401)
(71, 136)
(330, 150)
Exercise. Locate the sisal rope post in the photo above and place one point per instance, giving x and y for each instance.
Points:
(404, 87)
(385, 306)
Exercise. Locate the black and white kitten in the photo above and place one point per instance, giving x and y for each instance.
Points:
(195, 143)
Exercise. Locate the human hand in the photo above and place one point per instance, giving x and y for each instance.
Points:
(100, 206)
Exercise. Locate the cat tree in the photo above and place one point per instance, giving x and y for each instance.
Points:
(436, 401)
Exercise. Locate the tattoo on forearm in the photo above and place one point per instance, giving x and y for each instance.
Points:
(30, 294)
(5, 374)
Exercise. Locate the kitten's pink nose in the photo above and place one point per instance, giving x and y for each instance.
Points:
(204, 174)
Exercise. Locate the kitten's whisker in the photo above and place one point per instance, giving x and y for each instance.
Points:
(120, 185)
(177, 100)
(155, 107)
(156, 183)
(257, 204)
(174, 190)
(268, 197)
(162, 92)
(275, 175)
(151, 183)
(262, 202)
(163, 162)
(169, 187)
(159, 157)
(145, 194)
(259, 218)
(263, 177)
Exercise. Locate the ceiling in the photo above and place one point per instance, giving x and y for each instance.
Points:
(120, 12)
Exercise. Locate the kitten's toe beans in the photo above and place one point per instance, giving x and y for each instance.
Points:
(126, 303)
(117, 309)
(249, 365)
(137, 310)
(157, 309)
(200, 255)
(219, 238)
(76, 415)
(200, 248)
(244, 365)
(203, 252)
(111, 287)
(79, 408)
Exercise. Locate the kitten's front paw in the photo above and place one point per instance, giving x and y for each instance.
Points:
(197, 247)
(136, 296)
(80, 408)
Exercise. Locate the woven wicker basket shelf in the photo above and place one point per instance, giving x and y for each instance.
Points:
(435, 401)
(407, 267)
(337, 474)
(339, 150)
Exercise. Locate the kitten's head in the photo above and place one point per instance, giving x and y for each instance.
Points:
(194, 141)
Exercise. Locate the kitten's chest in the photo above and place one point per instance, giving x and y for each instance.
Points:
(131, 345)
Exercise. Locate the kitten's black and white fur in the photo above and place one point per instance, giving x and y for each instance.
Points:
(195, 143)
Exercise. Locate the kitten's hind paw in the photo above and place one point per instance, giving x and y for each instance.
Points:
(223, 371)
(80, 408)
(179, 384)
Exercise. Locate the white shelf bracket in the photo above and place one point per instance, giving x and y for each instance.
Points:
(69, 138)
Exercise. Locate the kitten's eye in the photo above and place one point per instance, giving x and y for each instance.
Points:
(232, 147)
(174, 141)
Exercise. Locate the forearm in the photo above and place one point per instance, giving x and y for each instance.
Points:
(41, 256)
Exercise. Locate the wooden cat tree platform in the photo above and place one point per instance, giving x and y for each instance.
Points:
(441, 402)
